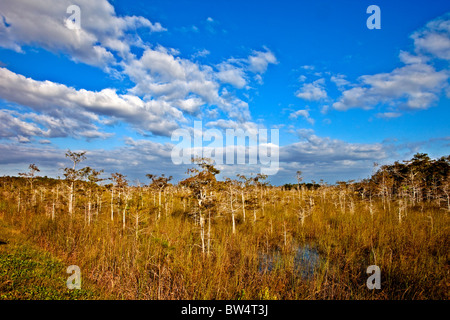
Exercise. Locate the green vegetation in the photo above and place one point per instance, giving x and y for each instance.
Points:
(28, 272)
(234, 239)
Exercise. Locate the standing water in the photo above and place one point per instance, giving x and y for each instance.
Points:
(306, 261)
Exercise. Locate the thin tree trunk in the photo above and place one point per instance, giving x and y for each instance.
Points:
(234, 224)
(137, 225)
(18, 203)
(202, 232)
(71, 199)
(159, 205)
(112, 204)
(89, 211)
(243, 204)
(124, 211)
(209, 233)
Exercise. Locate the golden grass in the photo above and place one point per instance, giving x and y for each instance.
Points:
(163, 259)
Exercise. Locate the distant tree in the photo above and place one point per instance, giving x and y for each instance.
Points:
(91, 176)
(417, 179)
(119, 183)
(249, 192)
(30, 175)
(72, 174)
(159, 183)
(202, 182)
(231, 191)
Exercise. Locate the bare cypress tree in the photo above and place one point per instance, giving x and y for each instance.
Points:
(72, 174)
(92, 178)
(299, 181)
(202, 184)
(233, 186)
(119, 184)
(30, 176)
(159, 183)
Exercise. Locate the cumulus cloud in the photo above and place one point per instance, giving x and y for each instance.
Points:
(190, 105)
(340, 81)
(318, 157)
(313, 91)
(102, 33)
(160, 74)
(248, 126)
(434, 38)
(11, 126)
(231, 74)
(164, 83)
(302, 113)
(259, 61)
(312, 148)
(415, 86)
(57, 102)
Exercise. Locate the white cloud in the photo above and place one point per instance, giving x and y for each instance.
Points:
(324, 109)
(302, 113)
(102, 32)
(190, 105)
(414, 86)
(250, 127)
(171, 79)
(308, 67)
(388, 115)
(408, 58)
(259, 61)
(11, 126)
(231, 74)
(60, 103)
(434, 38)
(201, 53)
(301, 78)
(134, 159)
(162, 79)
(313, 148)
(312, 91)
(340, 81)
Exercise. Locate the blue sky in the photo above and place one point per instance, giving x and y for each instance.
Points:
(341, 95)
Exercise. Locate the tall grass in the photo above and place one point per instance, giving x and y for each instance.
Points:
(153, 258)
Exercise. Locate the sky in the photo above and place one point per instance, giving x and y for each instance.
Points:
(118, 79)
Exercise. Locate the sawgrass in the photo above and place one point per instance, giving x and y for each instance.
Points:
(162, 258)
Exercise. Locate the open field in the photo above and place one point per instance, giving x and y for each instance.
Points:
(238, 239)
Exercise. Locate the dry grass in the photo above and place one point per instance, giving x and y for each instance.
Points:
(162, 258)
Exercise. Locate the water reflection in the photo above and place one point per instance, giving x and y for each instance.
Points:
(306, 261)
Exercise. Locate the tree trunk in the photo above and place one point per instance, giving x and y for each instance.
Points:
(89, 212)
(209, 233)
(112, 204)
(18, 203)
(137, 225)
(234, 225)
(159, 205)
(202, 232)
(71, 199)
(243, 204)
(124, 211)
